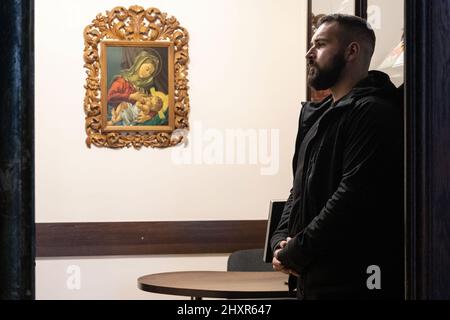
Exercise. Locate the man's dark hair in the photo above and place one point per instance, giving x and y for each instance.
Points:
(355, 28)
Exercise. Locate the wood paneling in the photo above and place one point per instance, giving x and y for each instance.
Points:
(145, 238)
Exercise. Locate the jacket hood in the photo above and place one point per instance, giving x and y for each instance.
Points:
(377, 83)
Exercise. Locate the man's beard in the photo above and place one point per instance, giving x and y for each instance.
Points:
(325, 78)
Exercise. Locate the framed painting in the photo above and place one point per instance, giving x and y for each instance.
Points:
(137, 86)
(136, 62)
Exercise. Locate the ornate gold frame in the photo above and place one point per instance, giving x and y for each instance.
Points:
(135, 25)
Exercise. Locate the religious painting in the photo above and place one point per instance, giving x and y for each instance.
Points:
(137, 86)
(136, 62)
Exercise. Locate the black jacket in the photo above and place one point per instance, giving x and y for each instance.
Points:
(345, 209)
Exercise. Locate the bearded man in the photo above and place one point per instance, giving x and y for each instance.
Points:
(341, 232)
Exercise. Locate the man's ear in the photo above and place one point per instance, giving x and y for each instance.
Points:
(352, 52)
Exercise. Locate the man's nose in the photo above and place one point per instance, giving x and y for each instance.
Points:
(310, 54)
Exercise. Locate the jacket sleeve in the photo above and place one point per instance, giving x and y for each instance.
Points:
(371, 130)
(282, 230)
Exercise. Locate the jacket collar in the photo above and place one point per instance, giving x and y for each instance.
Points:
(344, 102)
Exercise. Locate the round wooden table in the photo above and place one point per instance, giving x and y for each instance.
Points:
(217, 284)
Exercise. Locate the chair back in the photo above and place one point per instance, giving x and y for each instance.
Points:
(275, 212)
(248, 260)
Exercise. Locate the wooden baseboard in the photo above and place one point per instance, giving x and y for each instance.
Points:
(148, 238)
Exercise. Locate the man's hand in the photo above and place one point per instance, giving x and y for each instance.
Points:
(277, 265)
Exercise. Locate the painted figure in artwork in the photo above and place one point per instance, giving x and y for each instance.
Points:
(132, 97)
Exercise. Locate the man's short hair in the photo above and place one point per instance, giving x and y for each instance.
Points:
(355, 28)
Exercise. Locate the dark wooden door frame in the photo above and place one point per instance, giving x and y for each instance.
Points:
(17, 280)
(427, 120)
(361, 8)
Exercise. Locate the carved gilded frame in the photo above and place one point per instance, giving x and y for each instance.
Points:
(135, 27)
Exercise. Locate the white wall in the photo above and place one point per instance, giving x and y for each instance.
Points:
(246, 72)
(333, 6)
(113, 278)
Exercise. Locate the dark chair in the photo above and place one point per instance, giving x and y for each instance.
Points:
(251, 260)
(248, 260)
